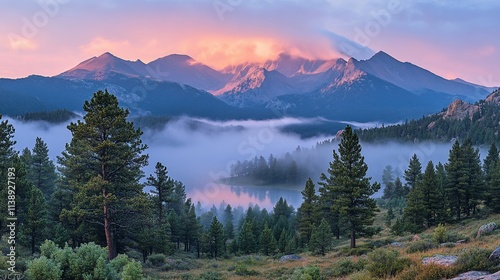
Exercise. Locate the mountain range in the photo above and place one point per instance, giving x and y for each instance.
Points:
(377, 89)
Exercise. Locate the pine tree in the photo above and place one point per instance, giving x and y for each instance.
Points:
(399, 190)
(308, 212)
(414, 172)
(163, 190)
(103, 163)
(41, 170)
(7, 153)
(36, 219)
(474, 189)
(267, 241)
(489, 167)
(494, 190)
(457, 181)
(442, 215)
(282, 241)
(321, 238)
(217, 240)
(228, 219)
(388, 181)
(246, 239)
(414, 212)
(351, 189)
(431, 198)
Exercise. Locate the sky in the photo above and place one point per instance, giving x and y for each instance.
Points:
(452, 38)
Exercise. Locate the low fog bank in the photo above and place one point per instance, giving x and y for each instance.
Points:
(199, 152)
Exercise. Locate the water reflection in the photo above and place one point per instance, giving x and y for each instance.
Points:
(264, 196)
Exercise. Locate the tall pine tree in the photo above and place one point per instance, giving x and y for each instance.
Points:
(308, 212)
(351, 188)
(103, 162)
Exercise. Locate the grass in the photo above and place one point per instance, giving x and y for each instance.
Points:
(341, 257)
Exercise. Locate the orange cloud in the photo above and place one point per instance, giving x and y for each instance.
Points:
(101, 45)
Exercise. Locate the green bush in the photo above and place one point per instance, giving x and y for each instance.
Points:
(475, 259)
(420, 246)
(211, 275)
(358, 251)
(385, 263)
(440, 235)
(346, 266)
(242, 270)
(132, 271)
(43, 269)
(156, 260)
(49, 249)
(427, 272)
(307, 273)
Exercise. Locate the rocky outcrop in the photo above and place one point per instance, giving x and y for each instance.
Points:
(494, 97)
(495, 256)
(485, 229)
(290, 258)
(442, 260)
(477, 275)
(459, 109)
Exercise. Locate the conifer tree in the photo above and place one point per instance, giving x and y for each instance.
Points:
(308, 212)
(414, 172)
(415, 212)
(456, 179)
(246, 239)
(489, 167)
(321, 238)
(442, 214)
(36, 219)
(350, 186)
(267, 241)
(474, 189)
(103, 162)
(494, 190)
(216, 238)
(7, 153)
(431, 198)
(228, 219)
(41, 170)
(163, 190)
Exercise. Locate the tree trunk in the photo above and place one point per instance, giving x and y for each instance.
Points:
(107, 232)
(353, 238)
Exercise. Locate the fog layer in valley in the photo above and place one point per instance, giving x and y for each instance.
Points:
(199, 152)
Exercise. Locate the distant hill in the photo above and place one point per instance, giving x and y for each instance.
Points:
(479, 122)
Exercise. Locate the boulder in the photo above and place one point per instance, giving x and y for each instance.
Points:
(290, 258)
(487, 228)
(397, 244)
(495, 255)
(478, 275)
(415, 238)
(442, 260)
(471, 275)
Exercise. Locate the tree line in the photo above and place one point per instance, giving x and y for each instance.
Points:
(482, 127)
(443, 193)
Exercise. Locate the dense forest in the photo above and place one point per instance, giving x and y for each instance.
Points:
(480, 123)
(88, 217)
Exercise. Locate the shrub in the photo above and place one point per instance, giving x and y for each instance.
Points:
(43, 269)
(420, 246)
(358, 251)
(211, 275)
(242, 270)
(475, 259)
(308, 273)
(427, 272)
(49, 249)
(440, 235)
(385, 263)
(156, 260)
(362, 275)
(132, 271)
(346, 266)
(119, 262)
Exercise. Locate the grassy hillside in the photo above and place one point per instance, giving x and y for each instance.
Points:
(344, 263)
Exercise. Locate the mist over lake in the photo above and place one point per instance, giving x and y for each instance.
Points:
(199, 152)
